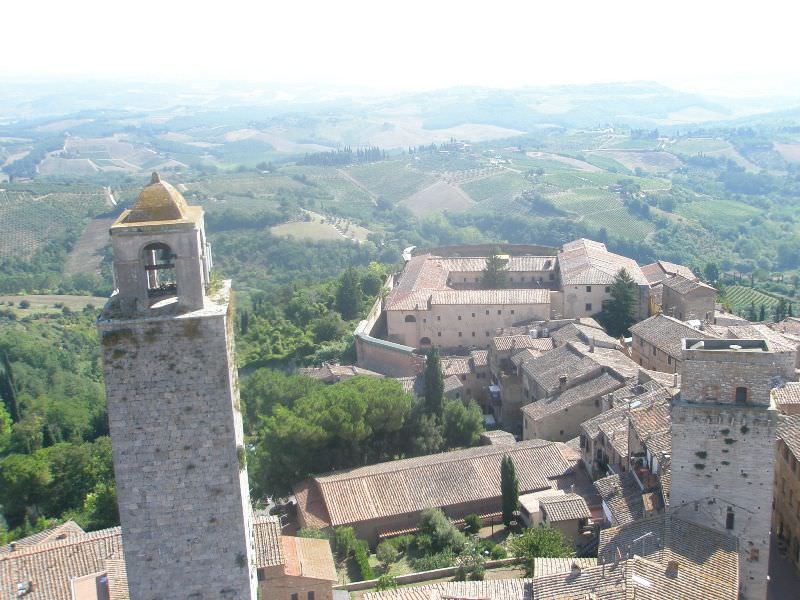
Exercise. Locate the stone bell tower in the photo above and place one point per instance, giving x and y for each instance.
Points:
(724, 426)
(173, 407)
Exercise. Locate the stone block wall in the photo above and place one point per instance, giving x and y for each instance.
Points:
(179, 459)
(722, 462)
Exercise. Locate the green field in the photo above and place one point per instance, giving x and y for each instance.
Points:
(712, 212)
(503, 185)
(28, 221)
(740, 298)
(395, 180)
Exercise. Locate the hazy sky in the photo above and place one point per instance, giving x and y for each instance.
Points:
(733, 47)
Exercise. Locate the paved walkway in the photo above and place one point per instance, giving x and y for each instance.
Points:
(784, 579)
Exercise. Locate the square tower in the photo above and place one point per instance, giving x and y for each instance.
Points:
(173, 407)
(724, 426)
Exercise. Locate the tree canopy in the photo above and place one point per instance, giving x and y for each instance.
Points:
(495, 273)
(536, 542)
(619, 313)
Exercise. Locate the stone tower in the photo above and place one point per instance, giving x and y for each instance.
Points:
(723, 445)
(173, 407)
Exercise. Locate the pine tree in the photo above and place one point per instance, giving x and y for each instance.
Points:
(620, 311)
(495, 274)
(434, 384)
(509, 488)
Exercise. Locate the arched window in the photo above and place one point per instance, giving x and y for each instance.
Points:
(411, 319)
(426, 341)
(160, 270)
(741, 395)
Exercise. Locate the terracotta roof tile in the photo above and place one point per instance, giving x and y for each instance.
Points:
(50, 567)
(565, 508)
(410, 485)
(585, 262)
(267, 534)
(666, 333)
(601, 384)
(623, 497)
(683, 285)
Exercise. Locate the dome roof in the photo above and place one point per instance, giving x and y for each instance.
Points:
(159, 201)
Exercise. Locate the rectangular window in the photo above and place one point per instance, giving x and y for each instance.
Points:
(295, 596)
(310, 595)
(260, 574)
(487, 312)
(654, 351)
(438, 334)
(459, 317)
(438, 318)
(588, 306)
(512, 311)
(608, 289)
(487, 334)
(669, 360)
(588, 288)
(459, 334)
(499, 312)
(424, 320)
(473, 315)
(473, 334)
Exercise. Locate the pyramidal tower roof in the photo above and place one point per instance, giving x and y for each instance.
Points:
(159, 201)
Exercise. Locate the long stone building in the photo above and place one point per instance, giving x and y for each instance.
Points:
(436, 299)
(390, 496)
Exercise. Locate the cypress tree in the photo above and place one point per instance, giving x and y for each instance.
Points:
(434, 384)
(509, 488)
(348, 294)
(8, 389)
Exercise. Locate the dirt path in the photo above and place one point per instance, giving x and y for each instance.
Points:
(86, 256)
(373, 196)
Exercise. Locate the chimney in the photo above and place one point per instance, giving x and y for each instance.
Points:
(12, 546)
(576, 569)
(562, 380)
(672, 569)
(675, 380)
(591, 344)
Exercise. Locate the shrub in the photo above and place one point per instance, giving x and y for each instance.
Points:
(344, 542)
(537, 542)
(312, 532)
(472, 524)
(471, 564)
(24, 304)
(387, 553)
(386, 582)
(402, 542)
(434, 561)
(441, 531)
(362, 559)
(498, 552)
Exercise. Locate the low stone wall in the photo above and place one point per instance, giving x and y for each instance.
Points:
(421, 576)
(382, 356)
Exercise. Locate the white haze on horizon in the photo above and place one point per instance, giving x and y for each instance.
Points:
(716, 48)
